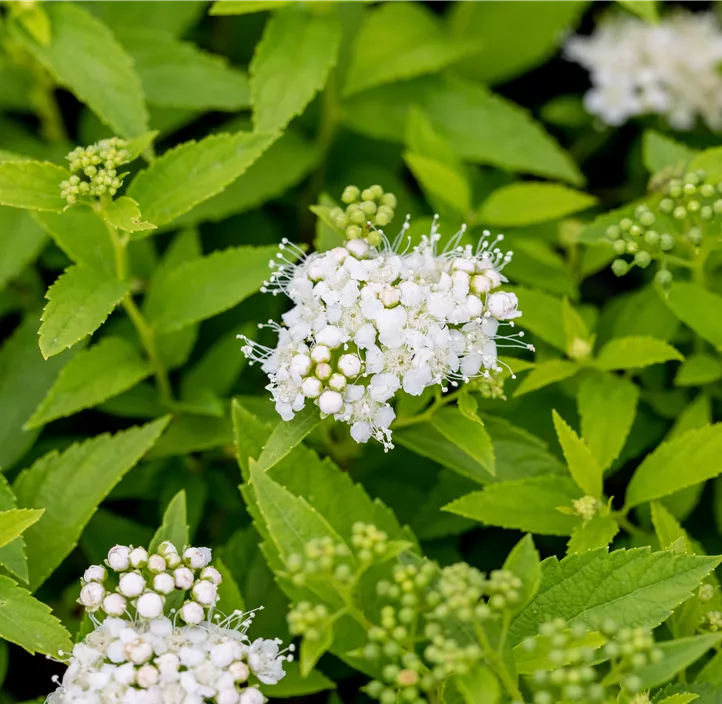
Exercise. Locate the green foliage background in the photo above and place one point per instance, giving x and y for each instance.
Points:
(129, 408)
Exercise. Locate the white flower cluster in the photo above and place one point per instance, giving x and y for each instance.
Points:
(369, 322)
(668, 69)
(148, 657)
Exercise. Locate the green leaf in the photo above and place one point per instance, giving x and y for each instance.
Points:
(698, 369)
(527, 504)
(441, 180)
(294, 684)
(678, 655)
(661, 152)
(709, 160)
(481, 127)
(635, 352)
(190, 433)
(106, 82)
(245, 7)
(580, 460)
(291, 64)
(203, 287)
(512, 38)
(70, 486)
(23, 240)
(172, 19)
(522, 204)
(312, 650)
(688, 459)
(12, 555)
(178, 74)
(25, 378)
(679, 699)
(576, 332)
(33, 185)
(193, 172)
(543, 315)
(82, 235)
(399, 41)
(607, 406)
(93, 376)
(597, 532)
(697, 308)
(480, 686)
(230, 598)
(124, 214)
(546, 373)
(646, 9)
(15, 521)
(523, 561)
(286, 435)
(468, 435)
(637, 587)
(667, 527)
(174, 526)
(79, 302)
(29, 623)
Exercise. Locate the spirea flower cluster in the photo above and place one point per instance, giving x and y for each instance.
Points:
(668, 69)
(146, 652)
(371, 321)
(95, 169)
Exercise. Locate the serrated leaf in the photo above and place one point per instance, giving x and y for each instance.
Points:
(106, 83)
(678, 655)
(679, 699)
(189, 433)
(178, 74)
(12, 555)
(522, 204)
(193, 172)
(543, 315)
(124, 214)
(527, 504)
(697, 308)
(79, 302)
(688, 459)
(25, 378)
(172, 19)
(22, 242)
(646, 9)
(312, 650)
(597, 532)
(203, 287)
(33, 185)
(667, 528)
(93, 376)
(575, 329)
(481, 127)
(546, 373)
(469, 435)
(607, 407)
(14, 522)
(286, 435)
(441, 180)
(29, 623)
(70, 486)
(637, 587)
(635, 352)
(469, 407)
(294, 684)
(291, 64)
(399, 41)
(82, 235)
(523, 561)
(662, 152)
(244, 7)
(698, 369)
(582, 465)
(174, 526)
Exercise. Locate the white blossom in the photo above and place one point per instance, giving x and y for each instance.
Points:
(369, 322)
(669, 68)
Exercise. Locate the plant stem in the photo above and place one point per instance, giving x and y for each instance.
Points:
(428, 414)
(623, 521)
(497, 663)
(145, 331)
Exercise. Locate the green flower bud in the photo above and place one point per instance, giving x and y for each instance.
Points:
(663, 277)
(389, 200)
(353, 232)
(666, 242)
(679, 213)
(666, 205)
(647, 218)
(625, 224)
(613, 232)
(707, 190)
(619, 246)
(635, 231)
(620, 267)
(642, 259)
(350, 194)
(651, 237)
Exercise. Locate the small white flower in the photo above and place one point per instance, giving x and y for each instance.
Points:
(349, 365)
(150, 605)
(197, 558)
(163, 583)
(205, 592)
(138, 557)
(503, 305)
(212, 574)
(192, 613)
(252, 695)
(92, 595)
(131, 584)
(312, 387)
(118, 558)
(115, 605)
(95, 573)
(265, 661)
(157, 564)
(330, 402)
(147, 676)
(184, 578)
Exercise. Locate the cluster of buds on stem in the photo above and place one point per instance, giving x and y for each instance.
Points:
(366, 213)
(95, 169)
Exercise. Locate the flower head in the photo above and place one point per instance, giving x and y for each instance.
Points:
(143, 652)
(370, 320)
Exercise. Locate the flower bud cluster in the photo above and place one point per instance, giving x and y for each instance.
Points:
(307, 619)
(145, 580)
(95, 169)
(148, 657)
(369, 322)
(688, 206)
(713, 621)
(667, 68)
(574, 677)
(586, 507)
(321, 557)
(366, 212)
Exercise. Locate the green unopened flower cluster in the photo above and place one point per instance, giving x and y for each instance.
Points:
(307, 619)
(683, 215)
(586, 507)
(490, 386)
(576, 677)
(366, 210)
(95, 169)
